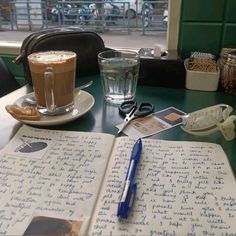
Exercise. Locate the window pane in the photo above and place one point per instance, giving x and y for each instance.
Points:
(129, 24)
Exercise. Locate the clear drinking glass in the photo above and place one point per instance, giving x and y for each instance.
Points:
(119, 74)
(228, 80)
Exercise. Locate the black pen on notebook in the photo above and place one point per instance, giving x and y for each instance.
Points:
(130, 186)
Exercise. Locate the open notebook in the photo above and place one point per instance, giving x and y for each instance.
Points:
(70, 183)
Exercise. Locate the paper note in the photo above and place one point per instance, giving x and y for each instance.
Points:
(183, 188)
(50, 173)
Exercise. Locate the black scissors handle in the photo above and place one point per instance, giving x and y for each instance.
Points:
(127, 107)
(131, 111)
(144, 109)
(132, 108)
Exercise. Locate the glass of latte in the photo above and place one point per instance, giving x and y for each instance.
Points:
(53, 78)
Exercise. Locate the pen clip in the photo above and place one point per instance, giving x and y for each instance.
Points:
(125, 206)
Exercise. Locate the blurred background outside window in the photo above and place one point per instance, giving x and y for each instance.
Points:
(144, 20)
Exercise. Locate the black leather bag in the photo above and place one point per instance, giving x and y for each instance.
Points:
(8, 83)
(85, 44)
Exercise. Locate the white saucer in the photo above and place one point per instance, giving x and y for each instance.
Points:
(83, 102)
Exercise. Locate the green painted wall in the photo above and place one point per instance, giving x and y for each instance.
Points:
(207, 26)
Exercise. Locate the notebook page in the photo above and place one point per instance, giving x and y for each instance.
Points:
(184, 188)
(54, 174)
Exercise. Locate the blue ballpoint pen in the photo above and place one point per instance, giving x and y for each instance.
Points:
(130, 187)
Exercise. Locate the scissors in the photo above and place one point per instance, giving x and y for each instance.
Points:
(131, 110)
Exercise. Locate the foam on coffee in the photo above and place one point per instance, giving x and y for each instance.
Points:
(58, 60)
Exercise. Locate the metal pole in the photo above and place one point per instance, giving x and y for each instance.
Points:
(128, 18)
(44, 7)
(12, 19)
(1, 19)
(28, 16)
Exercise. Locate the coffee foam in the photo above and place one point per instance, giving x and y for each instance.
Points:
(60, 61)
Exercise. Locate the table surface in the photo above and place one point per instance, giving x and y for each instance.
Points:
(104, 116)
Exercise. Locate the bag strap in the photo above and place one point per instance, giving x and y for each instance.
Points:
(30, 40)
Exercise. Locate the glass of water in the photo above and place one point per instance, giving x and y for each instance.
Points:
(119, 74)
